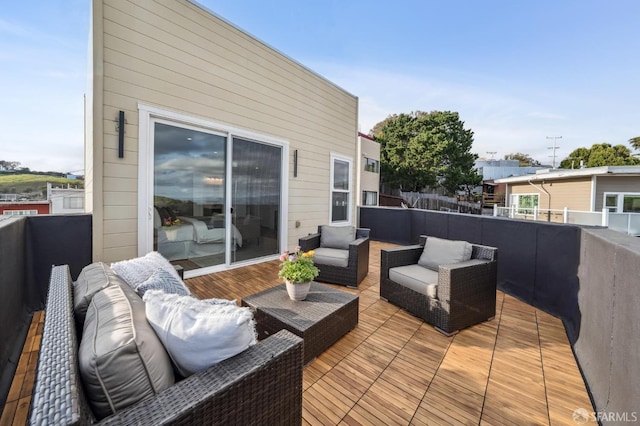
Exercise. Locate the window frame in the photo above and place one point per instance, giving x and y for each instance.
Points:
(364, 198)
(620, 196)
(349, 191)
(371, 162)
(515, 202)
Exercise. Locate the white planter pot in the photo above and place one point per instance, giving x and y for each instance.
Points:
(298, 291)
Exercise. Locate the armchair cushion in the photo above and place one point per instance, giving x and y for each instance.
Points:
(121, 359)
(438, 252)
(331, 256)
(417, 278)
(337, 237)
(198, 333)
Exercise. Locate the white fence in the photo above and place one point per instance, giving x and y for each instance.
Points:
(628, 223)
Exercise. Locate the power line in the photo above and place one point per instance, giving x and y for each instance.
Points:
(554, 147)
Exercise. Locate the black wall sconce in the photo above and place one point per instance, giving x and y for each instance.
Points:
(295, 163)
(121, 134)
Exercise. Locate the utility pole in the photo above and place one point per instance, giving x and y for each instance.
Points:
(554, 147)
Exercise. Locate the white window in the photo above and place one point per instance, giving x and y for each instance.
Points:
(340, 189)
(524, 203)
(619, 202)
(369, 198)
(371, 165)
(73, 202)
(20, 212)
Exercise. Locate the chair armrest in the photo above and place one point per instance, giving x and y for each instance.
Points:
(457, 281)
(400, 256)
(358, 249)
(310, 242)
(262, 385)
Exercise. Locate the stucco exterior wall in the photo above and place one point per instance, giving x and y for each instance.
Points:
(172, 54)
(575, 194)
(624, 184)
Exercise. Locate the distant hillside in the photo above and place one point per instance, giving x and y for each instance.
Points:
(34, 184)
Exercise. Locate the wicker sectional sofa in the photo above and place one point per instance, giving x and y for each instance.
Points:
(262, 385)
(466, 291)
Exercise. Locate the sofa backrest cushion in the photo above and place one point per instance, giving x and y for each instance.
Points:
(138, 270)
(199, 333)
(438, 251)
(338, 237)
(121, 359)
(92, 279)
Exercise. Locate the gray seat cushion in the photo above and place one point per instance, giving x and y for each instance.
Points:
(121, 359)
(92, 279)
(331, 256)
(417, 278)
(337, 237)
(444, 252)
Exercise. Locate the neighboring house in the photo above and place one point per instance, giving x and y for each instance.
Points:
(615, 187)
(65, 200)
(24, 208)
(191, 118)
(497, 169)
(368, 170)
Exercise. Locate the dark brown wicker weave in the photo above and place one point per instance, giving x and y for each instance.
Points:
(358, 266)
(262, 385)
(321, 319)
(466, 290)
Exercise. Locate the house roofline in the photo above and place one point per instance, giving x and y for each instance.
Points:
(569, 173)
(362, 135)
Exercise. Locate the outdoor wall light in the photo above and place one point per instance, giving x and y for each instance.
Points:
(120, 129)
(295, 163)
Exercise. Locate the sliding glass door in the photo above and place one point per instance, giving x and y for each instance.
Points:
(216, 198)
(255, 187)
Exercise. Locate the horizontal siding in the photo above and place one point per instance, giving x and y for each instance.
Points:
(626, 184)
(575, 194)
(176, 56)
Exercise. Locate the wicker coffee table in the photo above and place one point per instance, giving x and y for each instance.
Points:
(321, 319)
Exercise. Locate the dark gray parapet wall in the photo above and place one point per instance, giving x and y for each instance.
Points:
(15, 315)
(28, 248)
(537, 261)
(589, 277)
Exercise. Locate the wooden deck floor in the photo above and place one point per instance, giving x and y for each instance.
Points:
(395, 369)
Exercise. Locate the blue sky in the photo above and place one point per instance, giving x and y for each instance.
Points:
(515, 71)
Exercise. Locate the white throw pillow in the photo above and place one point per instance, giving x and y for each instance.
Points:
(136, 271)
(198, 333)
(164, 281)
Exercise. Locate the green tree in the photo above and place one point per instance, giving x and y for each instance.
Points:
(602, 154)
(420, 150)
(635, 142)
(524, 159)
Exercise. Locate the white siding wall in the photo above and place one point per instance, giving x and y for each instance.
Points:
(368, 181)
(177, 56)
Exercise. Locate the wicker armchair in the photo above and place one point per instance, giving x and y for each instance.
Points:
(466, 291)
(358, 264)
(262, 385)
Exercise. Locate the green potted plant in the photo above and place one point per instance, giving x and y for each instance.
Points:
(298, 270)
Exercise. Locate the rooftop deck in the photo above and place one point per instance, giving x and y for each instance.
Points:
(395, 369)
